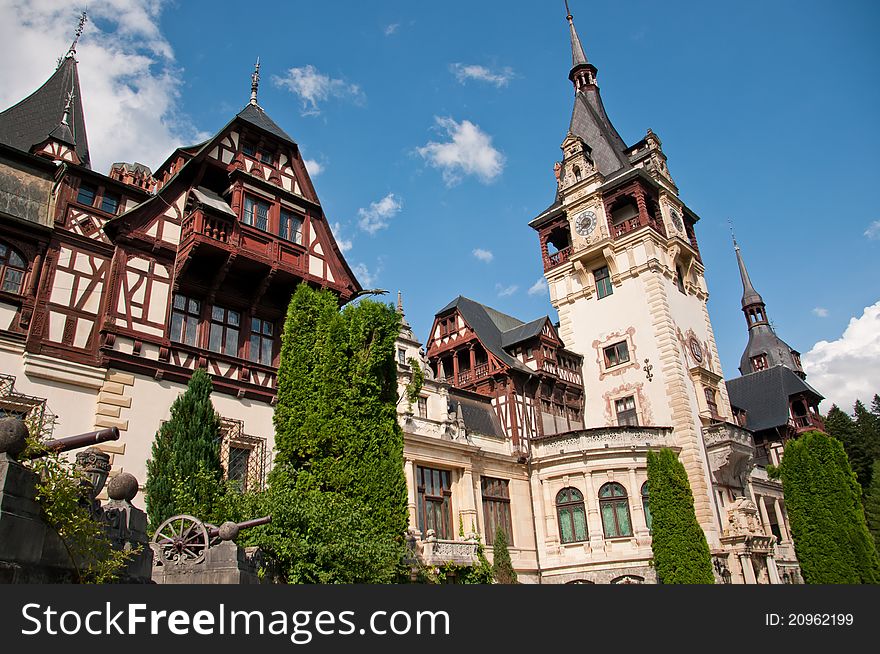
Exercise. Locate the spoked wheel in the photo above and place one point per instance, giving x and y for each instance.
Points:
(182, 539)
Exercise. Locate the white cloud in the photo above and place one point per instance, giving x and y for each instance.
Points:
(366, 277)
(468, 152)
(822, 312)
(539, 287)
(391, 29)
(378, 214)
(344, 244)
(506, 291)
(314, 167)
(849, 368)
(465, 72)
(313, 86)
(484, 255)
(873, 231)
(128, 77)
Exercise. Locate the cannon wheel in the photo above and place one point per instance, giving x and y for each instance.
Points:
(182, 539)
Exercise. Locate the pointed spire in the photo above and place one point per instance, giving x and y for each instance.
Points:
(62, 131)
(750, 295)
(255, 83)
(582, 73)
(71, 51)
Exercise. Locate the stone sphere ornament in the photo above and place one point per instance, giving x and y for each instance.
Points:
(123, 486)
(13, 436)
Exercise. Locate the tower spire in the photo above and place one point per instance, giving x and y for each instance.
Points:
(750, 295)
(255, 82)
(71, 51)
(582, 73)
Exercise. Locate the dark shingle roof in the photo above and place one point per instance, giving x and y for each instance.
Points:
(479, 415)
(32, 120)
(489, 325)
(590, 122)
(763, 340)
(255, 115)
(764, 395)
(523, 332)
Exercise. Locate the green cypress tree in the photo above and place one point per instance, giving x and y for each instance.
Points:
(828, 526)
(186, 446)
(681, 554)
(842, 427)
(868, 431)
(502, 567)
(872, 505)
(335, 417)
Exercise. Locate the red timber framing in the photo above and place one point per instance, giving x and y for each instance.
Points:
(102, 278)
(631, 207)
(544, 387)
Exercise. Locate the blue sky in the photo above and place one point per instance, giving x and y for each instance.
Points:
(433, 129)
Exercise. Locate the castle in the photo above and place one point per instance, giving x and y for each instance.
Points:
(116, 287)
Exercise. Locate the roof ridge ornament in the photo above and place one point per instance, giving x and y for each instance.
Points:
(255, 83)
(65, 117)
(71, 51)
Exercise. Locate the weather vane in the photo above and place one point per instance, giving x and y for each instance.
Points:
(78, 33)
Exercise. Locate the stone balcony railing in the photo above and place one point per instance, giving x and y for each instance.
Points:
(434, 551)
(731, 451)
(601, 439)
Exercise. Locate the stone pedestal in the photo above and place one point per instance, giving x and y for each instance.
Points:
(224, 563)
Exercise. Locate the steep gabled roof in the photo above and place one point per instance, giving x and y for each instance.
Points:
(523, 332)
(590, 123)
(254, 114)
(32, 120)
(477, 411)
(764, 395)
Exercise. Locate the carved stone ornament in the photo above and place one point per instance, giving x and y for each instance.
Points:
(742, 518)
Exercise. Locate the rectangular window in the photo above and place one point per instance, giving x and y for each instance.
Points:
(262, 341)
(434, 502)
(87, 194)
(248, 149)
(401, 356)
(616, 354)
(496, 508)
(237, 468)
(603, 282)
(266, 157)
(710, 402)
(185, 319)
(290, 226)
(759, 362)
(224, 331)
(625, 408)
(256, 213)
(110, 202)
(423, 407)
(679, 279)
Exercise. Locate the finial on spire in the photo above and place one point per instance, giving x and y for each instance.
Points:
(568, 12)
(400, 303)
(583, 73)
(67, 105)
(79, 30)
(732, 235)
(255, 82)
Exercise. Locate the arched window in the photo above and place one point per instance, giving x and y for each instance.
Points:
(646, 506)
(12, 270)
(571, 514)
(615, 511)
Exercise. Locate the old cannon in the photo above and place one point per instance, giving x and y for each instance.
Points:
(76, 442)
(186, 539)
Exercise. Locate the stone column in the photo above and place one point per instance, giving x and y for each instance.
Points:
(780, 518)
(639, 523)
(772, 570)
(765, 519)
(409, 468)
(468, 512)
(748, 569)
(551, 535)
(594, 520)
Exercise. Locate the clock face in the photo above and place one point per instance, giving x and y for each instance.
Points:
(676, 220)
(585, 223)
(696, 350)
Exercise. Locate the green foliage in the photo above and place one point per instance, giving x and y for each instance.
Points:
(860, 438)
(336, 419)
(828, 526)
(185, 447)
(681, 554)
(61, 494)
(415, 384)
(318, 537)
(872, 505)
(502, 568)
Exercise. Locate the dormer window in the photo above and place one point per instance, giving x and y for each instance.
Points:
(796, 357)
(759, 362)
(256, 213)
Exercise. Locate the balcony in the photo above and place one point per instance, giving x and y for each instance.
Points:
(433, 551)
(633, 224)
(557, 258)
(810, 422)
(602, 439)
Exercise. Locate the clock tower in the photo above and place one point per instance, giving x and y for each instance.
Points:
(623, 267)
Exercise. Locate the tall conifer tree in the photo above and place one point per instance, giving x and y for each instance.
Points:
(502, 566)
(189, 442)
(681, 554)
(824, 505)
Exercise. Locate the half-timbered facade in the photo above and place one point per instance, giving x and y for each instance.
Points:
(116, 287)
